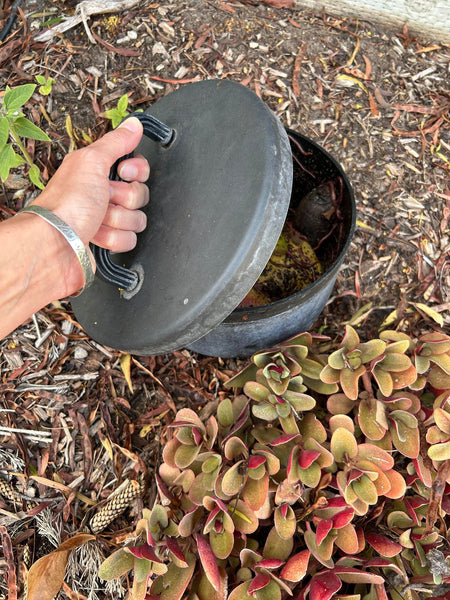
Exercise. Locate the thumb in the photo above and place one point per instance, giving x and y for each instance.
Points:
(119, 142)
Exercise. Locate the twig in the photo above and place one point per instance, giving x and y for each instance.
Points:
(9, 556)
(83, 10)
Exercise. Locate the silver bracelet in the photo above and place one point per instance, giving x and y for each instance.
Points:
(75, 242)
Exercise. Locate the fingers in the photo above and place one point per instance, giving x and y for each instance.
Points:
(117, 143)
(133, 195)
(121, 218)
(134, 169)
(116, 240)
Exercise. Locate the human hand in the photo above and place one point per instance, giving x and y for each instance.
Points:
(101, 211)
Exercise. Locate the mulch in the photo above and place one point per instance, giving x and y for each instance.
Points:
(79, 420)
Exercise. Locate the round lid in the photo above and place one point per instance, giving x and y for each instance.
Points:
(219, 194)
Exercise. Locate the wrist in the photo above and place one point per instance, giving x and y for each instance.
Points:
(56, 265)
(81, 251)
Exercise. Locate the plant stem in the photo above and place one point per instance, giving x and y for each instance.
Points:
(22, 148)
(367, 384)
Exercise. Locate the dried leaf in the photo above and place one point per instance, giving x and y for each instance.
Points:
(430, 312)
(46, 575)
(125, 365)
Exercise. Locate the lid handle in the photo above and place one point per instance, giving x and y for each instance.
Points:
(121, 277)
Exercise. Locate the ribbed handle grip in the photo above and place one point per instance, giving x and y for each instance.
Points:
(121, 277)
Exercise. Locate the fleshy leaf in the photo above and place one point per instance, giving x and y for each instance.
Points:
(208, 560)
(296, 567)
(343, 444)
(176, 580)
(347, 539)
(221, 543)
(185, 455)
(256, 391)
(277, 547)
(285, 525)
(265, 411)
(439, 451)
(349, 381)
(324, 586)
(383, 545)
(255, 492)
(117, 564)
(258, 582)
(384, 380)
(233, 479)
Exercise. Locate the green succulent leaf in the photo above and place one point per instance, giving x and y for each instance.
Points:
(233, 479)
(311, 427)
(277, 547)
(221, 543)
(371, 350)
(240, 592)
(175, 581)
(329, 375)
(256, 391)
(347, 539)
(285, 525)
(337, 359)
(384, 380)
(239, 380)
(351, 339)
(185, 455)
(439, 451)
(271, 591)
(310, 476)
(116, 565)
(442, 361)
(343, 444)
(365, 489)
(442, 419)
(372, 419)
(142, 569)
(349, 381)
(311, 542)
(395, 362)
(300, 402)
(266, 411)
(255, 492)
(339, 404)
(225, 413)
(244, 518)
(405, 439)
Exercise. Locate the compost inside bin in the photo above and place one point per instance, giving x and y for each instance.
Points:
(314, 232)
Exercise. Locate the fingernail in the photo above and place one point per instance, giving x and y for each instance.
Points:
(128, 172)
(132, 124)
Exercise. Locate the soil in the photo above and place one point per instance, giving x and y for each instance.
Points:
(91, 419)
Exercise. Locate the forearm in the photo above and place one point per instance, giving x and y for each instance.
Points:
(37, 266)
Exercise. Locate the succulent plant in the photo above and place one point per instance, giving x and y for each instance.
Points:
(321, 477)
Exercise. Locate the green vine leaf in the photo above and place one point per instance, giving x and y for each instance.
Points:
(17, 97)
(25, 128)
(35, 177)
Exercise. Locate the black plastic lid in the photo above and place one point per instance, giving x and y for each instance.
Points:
(219, 195)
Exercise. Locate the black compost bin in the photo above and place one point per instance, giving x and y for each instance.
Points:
(222, 182)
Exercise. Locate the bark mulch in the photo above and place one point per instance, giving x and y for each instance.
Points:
(79, 421)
